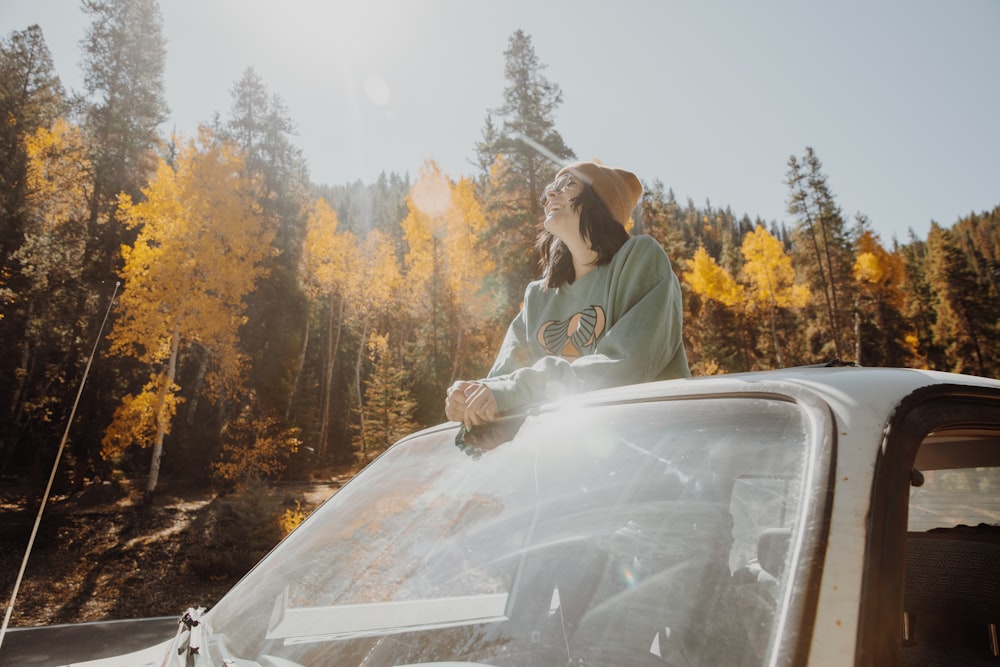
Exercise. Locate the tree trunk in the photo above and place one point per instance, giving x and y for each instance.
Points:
(357, 387)
(831, 319)
(196, 385)
(161, 420)
(774, 328)
(17, 400)
(333, 329)
(298, 370)
(835, 313)
(857, 335)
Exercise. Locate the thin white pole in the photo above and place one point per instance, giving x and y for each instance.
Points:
(55, 467)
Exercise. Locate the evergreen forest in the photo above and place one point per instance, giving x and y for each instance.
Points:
(240, 322)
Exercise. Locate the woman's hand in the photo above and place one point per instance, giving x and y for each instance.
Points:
(454, 403)
(471, 403)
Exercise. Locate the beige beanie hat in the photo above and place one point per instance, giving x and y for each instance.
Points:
(618, 189)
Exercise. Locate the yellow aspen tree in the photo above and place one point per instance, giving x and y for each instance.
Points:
(711, 281)
(324, 270)
(449, 268)
(199, 248)
(469, 262)
(268, 451)
(469, 267)
(719, 310)
(770, 279)
(878, 268)
(883, 335)
(425, 228)
(58, 176)
(373, 288)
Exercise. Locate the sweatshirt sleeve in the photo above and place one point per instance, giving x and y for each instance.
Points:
(513, 352)
(643, 343)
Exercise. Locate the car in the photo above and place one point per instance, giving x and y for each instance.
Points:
(806, 516)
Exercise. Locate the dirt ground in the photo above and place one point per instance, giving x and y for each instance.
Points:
(98, 558)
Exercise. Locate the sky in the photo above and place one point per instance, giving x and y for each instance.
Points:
(900, 99)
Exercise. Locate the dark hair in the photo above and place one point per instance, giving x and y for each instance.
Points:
(599, 229)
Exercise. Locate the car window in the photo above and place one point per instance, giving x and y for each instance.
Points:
(951, 498)
(952, 557)
(597, 535)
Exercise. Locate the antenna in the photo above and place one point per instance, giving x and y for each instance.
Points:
(55, 466)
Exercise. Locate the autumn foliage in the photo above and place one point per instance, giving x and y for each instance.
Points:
(201, 240)
(269, 326)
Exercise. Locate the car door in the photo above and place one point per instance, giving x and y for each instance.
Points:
(932, 569)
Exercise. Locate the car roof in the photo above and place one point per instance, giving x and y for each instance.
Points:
(843, 388)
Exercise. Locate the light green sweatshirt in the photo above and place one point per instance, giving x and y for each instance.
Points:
(618, 324)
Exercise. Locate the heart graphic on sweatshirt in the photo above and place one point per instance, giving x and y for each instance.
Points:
(573, 337)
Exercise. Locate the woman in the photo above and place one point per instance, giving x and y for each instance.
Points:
(606, 312)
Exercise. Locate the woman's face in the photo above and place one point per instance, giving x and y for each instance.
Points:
(562, 219)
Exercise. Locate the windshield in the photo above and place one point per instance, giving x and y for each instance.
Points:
(603, 535)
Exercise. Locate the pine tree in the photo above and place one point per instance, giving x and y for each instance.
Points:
(918, 305)
(967, 311)
(30, 98)
(978, 236)
(123, 64)
(48, 267)
(277, 310)
(823, 249)
(660, 216)
(260, 126)
(519, 154)
(388, 405)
